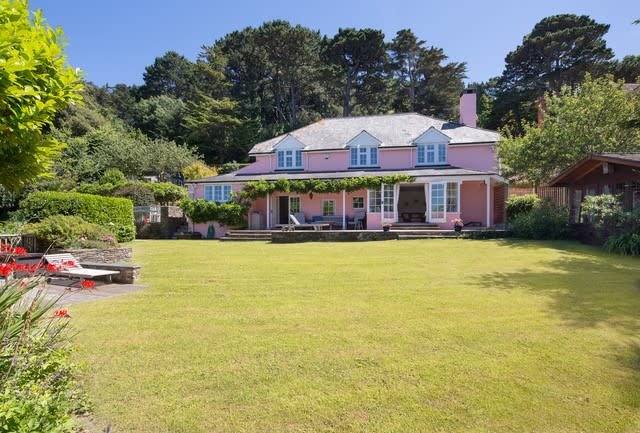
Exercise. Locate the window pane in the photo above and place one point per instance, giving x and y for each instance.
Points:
(288, 158)
(354, 156)
(437, 201)
(388, 198)
(358, 202)
(452, 197)
(280, 159)
(363, 156)
(294, 204)
(373, 152)
(442, 153)
(298, 158)
(430, 154)
(374, 200)
(420, 154)
(328, 207)
(217, 193)
(208, 193)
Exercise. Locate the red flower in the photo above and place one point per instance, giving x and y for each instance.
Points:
(88, 284)
(62, 313)
(20, 251)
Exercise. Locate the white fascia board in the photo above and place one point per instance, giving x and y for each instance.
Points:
(363, 139)
(432, 136)
(289, 143)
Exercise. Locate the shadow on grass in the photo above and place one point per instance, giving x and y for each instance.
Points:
(586, 286)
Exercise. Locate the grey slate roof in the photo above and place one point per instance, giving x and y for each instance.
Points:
(391, 129)
(302, 175)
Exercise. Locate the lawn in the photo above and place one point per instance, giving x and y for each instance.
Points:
(396, 336)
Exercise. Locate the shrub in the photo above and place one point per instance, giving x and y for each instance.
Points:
(38, 387)
(198, 170)
(140, 193)
(113, 176)
(66, 231)
(114, 213)
(104, 189)
(229, 214)
(546, 220)
(519, 204)
(627, 244)
(166, 193)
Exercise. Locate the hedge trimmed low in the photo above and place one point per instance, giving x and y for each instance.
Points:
(116, 214)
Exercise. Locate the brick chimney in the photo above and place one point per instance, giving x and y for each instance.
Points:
(468, 115)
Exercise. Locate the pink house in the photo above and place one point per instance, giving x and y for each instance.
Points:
(453, 165)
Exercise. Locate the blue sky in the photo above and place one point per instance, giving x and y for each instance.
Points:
(112, 41)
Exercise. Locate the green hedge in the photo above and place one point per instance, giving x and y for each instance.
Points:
(116, 214)
(520, 204)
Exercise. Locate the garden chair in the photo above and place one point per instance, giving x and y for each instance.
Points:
(68, 266)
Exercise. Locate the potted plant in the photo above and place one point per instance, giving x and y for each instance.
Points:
(458, 224)
(386, 226)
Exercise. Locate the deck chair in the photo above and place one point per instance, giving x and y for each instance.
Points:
(295, 224)
(70, 267)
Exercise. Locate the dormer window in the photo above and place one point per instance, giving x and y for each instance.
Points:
(432, 154)
(363, 150)
(431, 147)
(364, 156)
(289, 159)
(289, 154)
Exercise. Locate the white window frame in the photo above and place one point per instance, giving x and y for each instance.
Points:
(289, 159)
(220, 193)
(353, 202)
(374, 204)
(325, 201)
(363, 156)
(437, 151)
(293, 198)
(457, 195)
(444, 202)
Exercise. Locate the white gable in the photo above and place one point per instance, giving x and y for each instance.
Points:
(432, 136)
(288, 143)
(364, 139)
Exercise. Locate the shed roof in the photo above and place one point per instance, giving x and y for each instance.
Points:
(591, 162)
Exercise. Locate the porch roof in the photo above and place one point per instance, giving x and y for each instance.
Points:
(438, 172)
(591, 162)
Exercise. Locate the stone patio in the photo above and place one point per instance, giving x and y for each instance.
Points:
(72, 294)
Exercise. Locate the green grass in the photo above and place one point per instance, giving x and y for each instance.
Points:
(397, 336)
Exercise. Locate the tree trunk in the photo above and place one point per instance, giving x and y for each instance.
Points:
(293, 106)
(346, 97)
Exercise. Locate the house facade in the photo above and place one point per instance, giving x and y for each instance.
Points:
(453, 166)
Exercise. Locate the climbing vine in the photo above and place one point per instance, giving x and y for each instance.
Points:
(255, 189)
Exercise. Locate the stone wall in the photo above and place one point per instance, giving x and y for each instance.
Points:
(107, 255)
(331, 236)
(128, 273)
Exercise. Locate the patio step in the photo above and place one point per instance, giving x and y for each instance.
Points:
(427, 234)
(408, 226)
(247, 235)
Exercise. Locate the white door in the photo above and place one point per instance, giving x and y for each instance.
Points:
(437, 202)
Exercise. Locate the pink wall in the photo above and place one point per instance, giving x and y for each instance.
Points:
(481, 157)
(473, 202)
(477, 157)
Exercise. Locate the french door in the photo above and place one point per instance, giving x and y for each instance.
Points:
(437, 202)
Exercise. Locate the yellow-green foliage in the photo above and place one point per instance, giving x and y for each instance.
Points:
(198, 170)
(35, 82)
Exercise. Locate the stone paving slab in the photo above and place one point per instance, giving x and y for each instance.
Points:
(72, 294)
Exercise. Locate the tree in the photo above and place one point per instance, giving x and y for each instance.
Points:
(35, 82)
(559, 51)
(357, 60)
(292, 56)
(593, 117)
(627, 69)
(406, 52)
(160, 117)
(172, 74)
